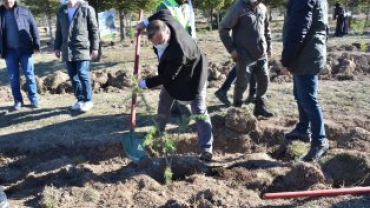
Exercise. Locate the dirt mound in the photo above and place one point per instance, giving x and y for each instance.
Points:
(120, 79)
(5, 94)
(240, 120)
(52, 81)
(355, 173)
(302, 176)
(358, 138)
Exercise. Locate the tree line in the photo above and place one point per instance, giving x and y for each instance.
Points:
(48, 8)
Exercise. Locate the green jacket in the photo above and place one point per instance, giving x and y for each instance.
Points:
(251, 34)
(77, 39)
(304, 36)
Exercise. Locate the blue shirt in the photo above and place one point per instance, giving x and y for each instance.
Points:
(12, 34)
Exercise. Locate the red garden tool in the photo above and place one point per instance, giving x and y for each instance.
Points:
(131, 144)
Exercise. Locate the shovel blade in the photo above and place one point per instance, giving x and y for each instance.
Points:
(133, 147)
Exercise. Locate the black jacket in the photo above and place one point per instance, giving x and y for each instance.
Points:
(28, 31)
(304, 36)
(183, 68)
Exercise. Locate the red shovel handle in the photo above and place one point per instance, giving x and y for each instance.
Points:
(136, 75)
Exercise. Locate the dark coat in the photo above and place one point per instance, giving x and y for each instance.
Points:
(183, 68)
(28, 32)
(304, 36)
(77, 39)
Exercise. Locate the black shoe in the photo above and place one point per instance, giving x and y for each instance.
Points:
(315, 152)
(296, 135)
(222, 97)
(206, 157)
(250, 99)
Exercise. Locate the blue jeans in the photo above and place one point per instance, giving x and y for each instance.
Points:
(13, 58)
(310, 114)
(78, 72)
(198, 107)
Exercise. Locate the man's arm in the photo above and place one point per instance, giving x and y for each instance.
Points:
(267, 32)
(34, 32)
(58, 35)
(228, 23)
(93, 29)
(300, 19)
(170, 72)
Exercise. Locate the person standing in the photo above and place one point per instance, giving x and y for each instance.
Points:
(304, 56)
(221, 93)
(77, 40)
(19, 39)
(182, 73)
(248, 47)
(339, 16)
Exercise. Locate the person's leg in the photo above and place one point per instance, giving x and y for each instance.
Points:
(12, 65)
(28, 71)
(73, 76)
(231, 76)
(301, 131)
(243, 74)
(204, 126)
(263, 79)
(164, 109)
(83, 69)
(307, 86)
(221, 93)
(3, 199)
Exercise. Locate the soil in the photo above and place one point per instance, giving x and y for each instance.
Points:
(54, 158)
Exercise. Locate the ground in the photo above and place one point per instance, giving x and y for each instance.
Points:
(51, 157)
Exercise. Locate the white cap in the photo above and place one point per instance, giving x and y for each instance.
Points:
(252, 1)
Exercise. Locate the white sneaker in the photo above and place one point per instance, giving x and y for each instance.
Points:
(77, 106)
(3, 199)
(87, 106)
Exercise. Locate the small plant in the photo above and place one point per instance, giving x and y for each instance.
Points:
(90, 195)
(49, 197)
(363, 45)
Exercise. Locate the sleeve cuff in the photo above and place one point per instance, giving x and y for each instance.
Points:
(146, 22)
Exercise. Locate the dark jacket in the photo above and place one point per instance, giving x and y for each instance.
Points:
(183, 68)
(251, 34)
(77, 39)
(304, 36)
(28, 31)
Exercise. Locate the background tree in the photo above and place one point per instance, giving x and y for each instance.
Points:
(47, 8)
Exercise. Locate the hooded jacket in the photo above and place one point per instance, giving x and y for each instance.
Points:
(251, 34)
(28, 31)
(76, 39)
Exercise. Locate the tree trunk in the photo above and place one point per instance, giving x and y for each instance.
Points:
(210, 25)
(50, 28)
(122, 30)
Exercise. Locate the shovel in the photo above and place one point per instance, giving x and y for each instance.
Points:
(132, 145)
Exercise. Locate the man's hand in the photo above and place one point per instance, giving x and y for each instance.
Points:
(142, 84)
(140, 25)
(234, 55)
(284, 71)
(57, 53)
(94, 54)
